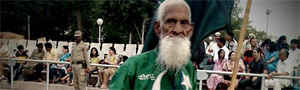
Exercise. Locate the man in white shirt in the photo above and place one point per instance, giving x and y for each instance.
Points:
(284, 68)
(246, 44)
(231, 44)
(213, 45)
(294, 52)
(220, 42)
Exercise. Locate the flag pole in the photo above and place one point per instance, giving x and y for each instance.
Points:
(241, 39)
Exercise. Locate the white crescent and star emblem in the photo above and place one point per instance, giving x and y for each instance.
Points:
(185, 82)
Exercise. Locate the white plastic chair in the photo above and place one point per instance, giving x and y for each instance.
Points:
(119, 48)
(23, 43)
(60, 45)
(5, 41)
(105, 47)
(31, 46)
(43, 42)
(12, 45)
(128, 53)
(96, 45)
(140, 49)
(53, 43)
(71, 46)
(201, 76)
(131, 48)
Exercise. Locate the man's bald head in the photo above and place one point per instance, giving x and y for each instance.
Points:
(167, 4)
(283, 54)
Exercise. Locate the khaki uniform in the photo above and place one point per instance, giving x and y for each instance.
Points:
(29, 66)
(79, 54)
(109, 72)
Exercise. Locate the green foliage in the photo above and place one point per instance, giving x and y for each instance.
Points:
(57, 20)
(124, 16)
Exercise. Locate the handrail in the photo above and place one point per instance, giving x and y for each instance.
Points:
(58, 62)
(48, 67)
(117, 66)
(248, 74)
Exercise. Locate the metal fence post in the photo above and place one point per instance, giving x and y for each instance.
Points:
(47, 88)
(200, 85)
(262, 83)
(11, 77)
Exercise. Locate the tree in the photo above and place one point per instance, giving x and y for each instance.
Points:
(122, 17)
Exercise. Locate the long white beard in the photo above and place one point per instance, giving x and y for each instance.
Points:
(174, 53)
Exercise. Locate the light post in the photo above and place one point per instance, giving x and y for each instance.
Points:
(99, 22)
(268, 12)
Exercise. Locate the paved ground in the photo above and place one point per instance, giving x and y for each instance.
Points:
(21, 85)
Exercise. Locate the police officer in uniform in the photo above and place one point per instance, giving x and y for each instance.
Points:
(80, 62)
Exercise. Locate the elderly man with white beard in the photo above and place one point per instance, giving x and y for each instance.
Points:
(167, 66)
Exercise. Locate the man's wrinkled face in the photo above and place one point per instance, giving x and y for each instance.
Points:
(175, 23)
(174, 32)
(281, 55)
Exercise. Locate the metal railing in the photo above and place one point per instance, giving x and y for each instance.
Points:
(13, 60)
(263, 76)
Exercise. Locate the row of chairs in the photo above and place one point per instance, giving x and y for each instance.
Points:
(30, 45)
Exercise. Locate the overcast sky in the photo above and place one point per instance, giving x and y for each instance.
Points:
(283, 20)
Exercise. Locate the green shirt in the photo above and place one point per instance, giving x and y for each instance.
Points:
(140, 72)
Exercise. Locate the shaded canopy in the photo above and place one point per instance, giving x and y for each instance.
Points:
(208, 16)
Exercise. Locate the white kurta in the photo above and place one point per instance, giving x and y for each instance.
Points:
(278, 84)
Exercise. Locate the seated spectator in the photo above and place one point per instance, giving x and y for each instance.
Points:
(68, 77)
(221, 42)
(208, 63)
(38, 54)
(257, 66)
(284, 68)
(95, 59)
(246, 44)
(111, 59)
(215, 79)
(229, 65)
(281, 43)
(29, 67)
(294, 53)
(294, 58)
(263, 46)
(231, 44)
(248, 56)
(50, 55)
(20, 54)
(61, 70)
(4, 53)
(297, 85)
(272, 57)
(213, 45)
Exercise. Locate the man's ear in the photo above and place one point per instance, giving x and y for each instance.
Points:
(156, 28)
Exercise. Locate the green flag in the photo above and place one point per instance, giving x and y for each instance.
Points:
(208, 16)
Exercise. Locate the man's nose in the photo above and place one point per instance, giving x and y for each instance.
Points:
(178, 29)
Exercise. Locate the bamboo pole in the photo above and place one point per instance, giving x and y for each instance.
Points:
(241, 39)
